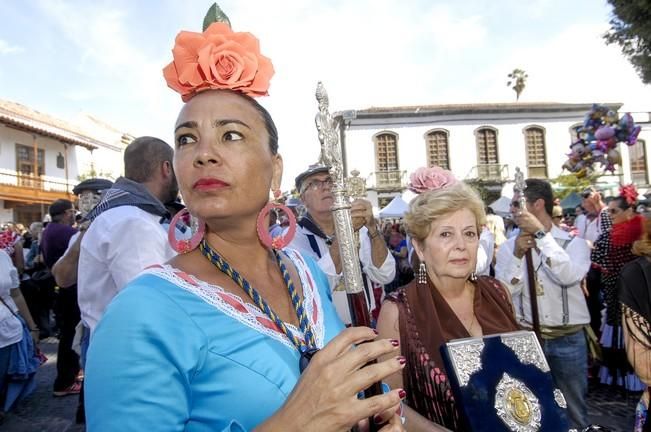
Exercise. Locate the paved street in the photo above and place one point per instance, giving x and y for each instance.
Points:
(44, 413)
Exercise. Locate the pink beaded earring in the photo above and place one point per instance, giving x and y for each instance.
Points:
(197, 227)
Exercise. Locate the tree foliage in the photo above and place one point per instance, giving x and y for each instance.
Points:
(92, 173)
(630, 28)
(565, 184)
(517, 81)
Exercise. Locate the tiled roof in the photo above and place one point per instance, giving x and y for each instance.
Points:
(478, 108)
(24, 118)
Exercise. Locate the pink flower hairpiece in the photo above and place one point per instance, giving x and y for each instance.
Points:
(218, 58)
(629, 193)
(8, 240)
(427, 179)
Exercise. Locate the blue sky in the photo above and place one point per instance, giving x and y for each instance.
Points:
(105, 57)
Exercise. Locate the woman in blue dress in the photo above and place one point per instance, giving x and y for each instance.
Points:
(212, 340)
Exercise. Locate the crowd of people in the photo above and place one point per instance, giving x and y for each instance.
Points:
(61, 279)
(223, 313)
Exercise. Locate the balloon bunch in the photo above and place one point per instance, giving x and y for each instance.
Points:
(597, 140)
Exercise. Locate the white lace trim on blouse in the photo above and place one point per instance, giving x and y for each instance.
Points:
(247, 313)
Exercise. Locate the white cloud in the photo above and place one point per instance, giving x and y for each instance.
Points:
(367, 53)
(6, 48)
(574, 66)
(370, 52)
(118, 63)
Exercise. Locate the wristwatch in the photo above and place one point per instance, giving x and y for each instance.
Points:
(539, 234)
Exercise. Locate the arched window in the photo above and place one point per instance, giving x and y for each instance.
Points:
(637, 157)
(487, 156)
(386, 159)
(437, 149)
(534, 139)
(573, 135)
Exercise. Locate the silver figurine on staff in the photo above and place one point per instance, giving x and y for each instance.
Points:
(331, 157)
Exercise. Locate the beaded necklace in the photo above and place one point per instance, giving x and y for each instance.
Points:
(306, 348)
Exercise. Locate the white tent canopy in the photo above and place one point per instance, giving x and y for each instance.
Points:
(501, 206)
(395, 209)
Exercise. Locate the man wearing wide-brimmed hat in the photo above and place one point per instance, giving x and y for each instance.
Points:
(89, 194)
(315, 236)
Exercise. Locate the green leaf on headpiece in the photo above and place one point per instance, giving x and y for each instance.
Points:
(215, 14)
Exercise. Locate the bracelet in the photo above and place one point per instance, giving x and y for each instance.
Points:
(375, 234)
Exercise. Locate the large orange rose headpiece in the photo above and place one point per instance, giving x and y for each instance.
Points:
(218, 58)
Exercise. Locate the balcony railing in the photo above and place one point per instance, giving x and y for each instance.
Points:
(28, 188)
(490, 172)
(387, 180)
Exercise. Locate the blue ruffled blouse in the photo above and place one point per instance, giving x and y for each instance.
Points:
(173, 353)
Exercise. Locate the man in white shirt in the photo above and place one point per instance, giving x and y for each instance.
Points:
(593, 204)
(580, 221)
(126, 234)
(596, 233)
(315, 236)
(485, 252)
(560, 262)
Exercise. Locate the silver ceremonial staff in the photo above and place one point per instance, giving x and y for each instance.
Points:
(331, 157)
(519, 187)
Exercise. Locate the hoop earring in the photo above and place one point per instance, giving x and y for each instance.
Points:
(197, 226)
(264, 235)
(422, 273)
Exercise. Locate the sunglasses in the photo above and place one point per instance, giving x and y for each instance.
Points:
(586, 194)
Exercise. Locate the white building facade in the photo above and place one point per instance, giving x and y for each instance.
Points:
(42, 158)
(483, 143)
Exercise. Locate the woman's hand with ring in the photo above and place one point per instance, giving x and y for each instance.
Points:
(325, 397)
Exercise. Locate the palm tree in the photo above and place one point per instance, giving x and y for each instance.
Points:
(517, 78)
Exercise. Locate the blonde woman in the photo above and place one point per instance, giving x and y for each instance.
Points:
(446, 300)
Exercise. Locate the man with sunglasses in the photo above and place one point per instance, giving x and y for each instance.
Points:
(560, 262)
(593, 204)
(580, 221)
(596, 234)
(315, 236)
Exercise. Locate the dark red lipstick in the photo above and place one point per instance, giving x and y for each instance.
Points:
(209, 183)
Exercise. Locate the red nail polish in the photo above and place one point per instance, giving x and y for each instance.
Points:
(401, 360)
(375, 331)
(394, 342)
(402, 393)
(378, 419)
